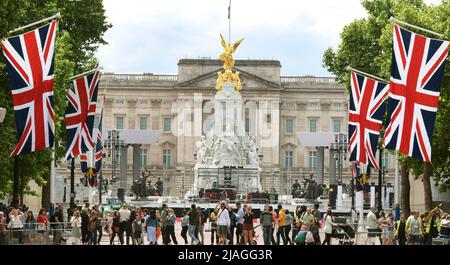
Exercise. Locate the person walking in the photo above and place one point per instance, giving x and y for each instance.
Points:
(29, 227)
(99, 224)
(58, 226)
(223, 223)
(116, 228)
(248, 225)
(85, 235)
(287, 227)
(184, 226)
(432, 225)
(42, 226)
(16, 225)
(267, 221)
(239, 221)
(213, 220)
(171, 220)
(164, 220)
(92, 226)
(125, 225)
(193, 220)
(275, 216)
(136, 228)
(400, 230)
(372, 226)
(75, 223)
(152, 223)
(281, 224)
(414, 229)
(328, 227)
(201, 225)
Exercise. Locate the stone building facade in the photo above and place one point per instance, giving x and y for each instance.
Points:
(178, 106)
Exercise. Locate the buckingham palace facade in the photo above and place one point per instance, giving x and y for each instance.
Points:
(287, 105)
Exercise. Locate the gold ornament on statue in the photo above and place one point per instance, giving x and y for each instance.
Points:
(228, 63)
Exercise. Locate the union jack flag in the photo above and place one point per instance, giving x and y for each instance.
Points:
(366, 111)
(99, 146)
(80, 114)
(30, 65)
(417, 68)
(83, 163)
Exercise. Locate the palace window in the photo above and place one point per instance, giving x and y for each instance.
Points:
(119, 122)
(143, 123)
(313, 125)
(312, 160)
(247, 125)
(167, 158)
(144, 157)
(167, 125)
(288, 159)
(336, 125)
(289, 126)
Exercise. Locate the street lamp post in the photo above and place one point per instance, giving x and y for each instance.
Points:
(114, 144)
(339, 147)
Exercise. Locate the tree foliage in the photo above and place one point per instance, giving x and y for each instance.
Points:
(80, 32)
(366, 44)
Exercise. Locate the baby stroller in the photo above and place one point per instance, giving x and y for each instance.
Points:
(345, 233)
(255, 237)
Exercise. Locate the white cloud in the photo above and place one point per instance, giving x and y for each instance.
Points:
(150, 36)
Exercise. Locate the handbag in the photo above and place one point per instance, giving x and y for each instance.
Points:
(300, 238)
(309, 238)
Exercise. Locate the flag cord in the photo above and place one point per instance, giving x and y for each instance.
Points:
(85, 73)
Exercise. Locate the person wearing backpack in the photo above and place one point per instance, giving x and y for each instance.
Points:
(92, 227)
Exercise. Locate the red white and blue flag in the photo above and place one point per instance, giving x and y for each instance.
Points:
(80, 114)
(417, 69)
(366, 112)
(99, 146)
(30, 65)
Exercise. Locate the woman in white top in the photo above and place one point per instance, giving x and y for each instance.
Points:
(16, 225)
(328, 227)
(75, 222)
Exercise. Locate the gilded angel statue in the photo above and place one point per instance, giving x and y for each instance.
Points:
(227, 55)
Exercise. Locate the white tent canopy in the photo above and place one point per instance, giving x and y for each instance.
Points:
(135, 136)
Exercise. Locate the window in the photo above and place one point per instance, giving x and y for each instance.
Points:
(313, 125)
(119, 122)
(167, 158)
(312, 160)
(143, 123)
(144, 157)
(385, 159)
(247, 125)
(167, 125)
(336, 125)
(269, 118)
(288, 159)
(289, 125)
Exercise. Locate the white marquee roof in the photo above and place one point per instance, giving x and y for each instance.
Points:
(135, 136)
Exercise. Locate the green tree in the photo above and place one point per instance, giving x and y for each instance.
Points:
(366, 44)
(80, 32)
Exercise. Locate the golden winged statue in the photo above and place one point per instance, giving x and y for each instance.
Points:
(228, 63)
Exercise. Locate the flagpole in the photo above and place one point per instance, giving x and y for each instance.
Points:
(393, 19)
(366, 74)
(229, 22)
(56, 16)
(85, 73)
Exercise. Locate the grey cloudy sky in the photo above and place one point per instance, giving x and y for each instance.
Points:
(152, 35)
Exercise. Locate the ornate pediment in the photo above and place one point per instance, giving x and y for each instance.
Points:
(209, 80)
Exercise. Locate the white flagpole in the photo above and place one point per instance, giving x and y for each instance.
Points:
(397, 181)
(52, 177)
(229, 22)
(57, 16)
(85, 73)
(366, 74)
(393, 19)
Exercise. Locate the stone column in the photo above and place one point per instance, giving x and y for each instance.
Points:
(332, 169)
(320, 164)
(123, 167)
(136, 161)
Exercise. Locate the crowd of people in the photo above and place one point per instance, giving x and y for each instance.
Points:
(225, 224)
(395, 228)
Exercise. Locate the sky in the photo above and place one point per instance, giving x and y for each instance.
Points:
(152, 35)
